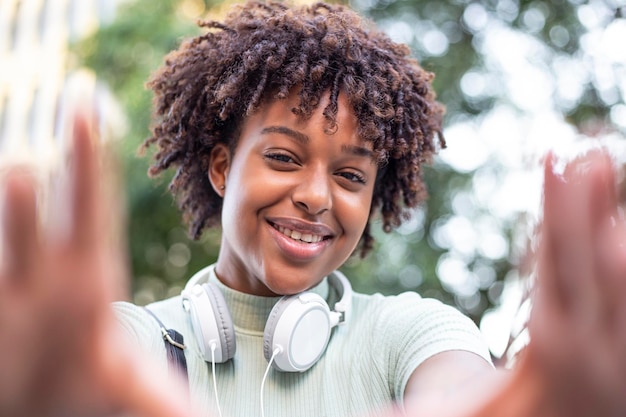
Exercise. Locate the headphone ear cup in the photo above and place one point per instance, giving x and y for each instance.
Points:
(299, 327)
(211, 322)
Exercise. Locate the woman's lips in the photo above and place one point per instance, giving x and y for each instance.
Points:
(300, 241)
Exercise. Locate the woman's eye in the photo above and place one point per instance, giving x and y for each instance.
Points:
(353, 177)
(279, 157)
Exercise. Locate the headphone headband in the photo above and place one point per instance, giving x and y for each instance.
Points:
(336, 279)
(339, 281)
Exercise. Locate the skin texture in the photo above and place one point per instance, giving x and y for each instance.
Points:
(289, 173)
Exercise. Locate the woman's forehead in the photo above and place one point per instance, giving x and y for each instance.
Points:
(329, 114)
(277, 114)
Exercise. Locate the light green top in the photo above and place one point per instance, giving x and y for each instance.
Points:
(364, 369)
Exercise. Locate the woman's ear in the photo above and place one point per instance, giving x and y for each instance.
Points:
(219, 165)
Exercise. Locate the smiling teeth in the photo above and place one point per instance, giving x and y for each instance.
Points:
(295, 235)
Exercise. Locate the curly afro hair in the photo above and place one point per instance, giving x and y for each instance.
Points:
(261, 52)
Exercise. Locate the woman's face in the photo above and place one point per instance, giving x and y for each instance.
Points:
(296, 200)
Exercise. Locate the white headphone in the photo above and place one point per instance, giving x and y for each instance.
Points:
(296, 333)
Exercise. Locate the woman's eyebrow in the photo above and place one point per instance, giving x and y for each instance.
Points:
(300, 137)
(304, 139)
(357, 151)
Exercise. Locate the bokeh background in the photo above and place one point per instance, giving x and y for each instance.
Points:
(518, 77)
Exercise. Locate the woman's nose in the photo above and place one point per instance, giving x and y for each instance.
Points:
(313, 194)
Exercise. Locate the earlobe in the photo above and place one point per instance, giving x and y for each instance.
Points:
(219, 165)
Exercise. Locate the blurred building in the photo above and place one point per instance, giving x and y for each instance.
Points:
(40, 80)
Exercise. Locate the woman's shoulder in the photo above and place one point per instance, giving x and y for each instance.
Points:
(408, 302)
(409, 315)
(142, 323)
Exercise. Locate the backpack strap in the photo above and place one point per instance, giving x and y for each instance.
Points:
(174, 345)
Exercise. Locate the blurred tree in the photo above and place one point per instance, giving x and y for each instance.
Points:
(453, 39)
(431, 253)
(124, 54)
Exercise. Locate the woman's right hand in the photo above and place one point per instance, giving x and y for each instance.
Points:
(61, 350)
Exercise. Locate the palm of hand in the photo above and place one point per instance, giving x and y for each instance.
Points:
(62, 351)
(579, 320)
(575, 364)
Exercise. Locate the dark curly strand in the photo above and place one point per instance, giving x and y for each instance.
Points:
(261, 52)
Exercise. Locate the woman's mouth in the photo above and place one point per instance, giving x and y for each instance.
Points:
(308, 242)
(295, 235)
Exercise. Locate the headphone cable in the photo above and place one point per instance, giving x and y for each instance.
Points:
(217, 400)
(277, 350)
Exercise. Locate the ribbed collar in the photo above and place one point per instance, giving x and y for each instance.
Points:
(250, 312)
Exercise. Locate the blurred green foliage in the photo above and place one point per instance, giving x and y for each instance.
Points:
(125, 52)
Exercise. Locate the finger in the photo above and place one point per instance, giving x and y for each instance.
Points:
(19, 225)
(612, 266)
(85, 219)
(566, 245)
(114, 218)
(609, 240)
(604, 189)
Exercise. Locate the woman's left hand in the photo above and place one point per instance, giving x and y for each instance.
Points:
(575, 363)
(578, 324)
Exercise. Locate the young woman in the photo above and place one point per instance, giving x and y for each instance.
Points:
(292, 128)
